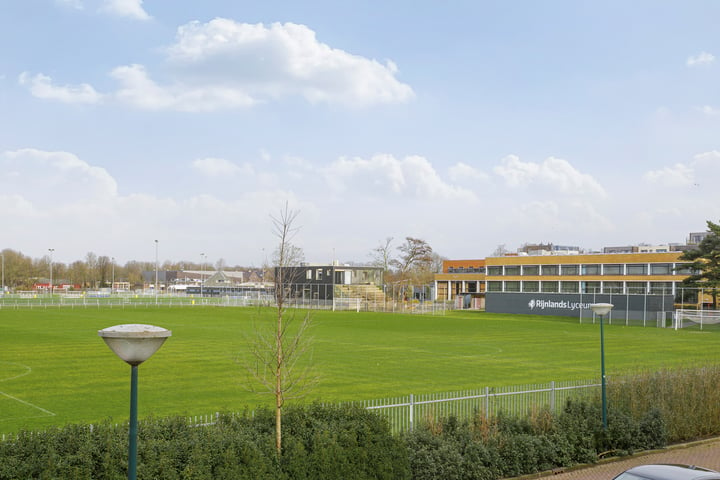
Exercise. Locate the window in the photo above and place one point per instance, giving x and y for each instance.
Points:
(494, 286)
(549, 287)
(569, 287)
(512, 269)
(660, 269)
(531, 287)
(591, 269)
(512, 286)
(590, 287)
(570, 269)
(637, 269)
(612, 269)
(531, 270)
(612, 287)
(308, 274)
(318, 274)
(551, 269)
(683, 269)
(636, 288)
(494, 270)
(661, 288)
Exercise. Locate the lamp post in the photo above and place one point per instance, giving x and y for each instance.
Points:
(134, 344)
(3, 273)
(203, 259)
(602, 309)
(156, 270)
(112, 285)
(51, 250)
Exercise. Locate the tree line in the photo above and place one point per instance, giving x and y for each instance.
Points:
(21, 272)
(413, 262)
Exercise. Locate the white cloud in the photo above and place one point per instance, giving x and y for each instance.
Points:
(223, 65)
(64, 179)
(280, 60)
(707, 167)
(554, 174)
(139, 91)
(678, 175)
(702, 58)
(41, 86)
(412, 176)
(219, 167)
(126, 8)
(710, 111)
(703, 169)
(464, 173)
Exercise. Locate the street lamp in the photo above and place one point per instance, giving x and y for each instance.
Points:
(134, 344)
(203, 259)
(602, 309)
(156, 270)
(51, 250)
(112, 285)
(3, 272)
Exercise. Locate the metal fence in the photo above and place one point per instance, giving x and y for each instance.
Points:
(403, 413)
(44, 301)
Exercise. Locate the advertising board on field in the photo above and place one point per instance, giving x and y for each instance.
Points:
(635, 307)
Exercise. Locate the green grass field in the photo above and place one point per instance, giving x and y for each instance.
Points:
(55, 369)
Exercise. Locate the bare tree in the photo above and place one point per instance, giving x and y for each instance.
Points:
(382, 255)
(414, 262)
(499, 251)
(415, 253)
(91, 266)
(276, 351)
(104, 269)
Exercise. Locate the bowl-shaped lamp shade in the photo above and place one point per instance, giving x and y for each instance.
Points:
(601, 309)
(134, 343)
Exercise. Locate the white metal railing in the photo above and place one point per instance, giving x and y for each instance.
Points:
(404, 412)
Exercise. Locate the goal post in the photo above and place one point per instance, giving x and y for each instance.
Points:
(685, 318)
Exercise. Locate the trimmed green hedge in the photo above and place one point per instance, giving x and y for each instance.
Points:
(488, 449)
(319, 443)
(646, 411)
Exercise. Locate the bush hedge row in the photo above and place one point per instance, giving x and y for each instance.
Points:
(331, 442)
(321, 442)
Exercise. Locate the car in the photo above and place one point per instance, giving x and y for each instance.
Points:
(668, 472)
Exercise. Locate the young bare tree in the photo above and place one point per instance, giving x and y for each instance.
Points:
(382, 255)
(276, 351)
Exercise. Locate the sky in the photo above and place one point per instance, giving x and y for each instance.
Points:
(468, 124)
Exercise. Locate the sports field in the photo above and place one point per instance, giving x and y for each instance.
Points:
(55, 369)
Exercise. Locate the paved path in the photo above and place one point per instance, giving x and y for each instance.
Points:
(705, 454)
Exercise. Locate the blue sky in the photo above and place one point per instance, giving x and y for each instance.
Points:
(469, 124)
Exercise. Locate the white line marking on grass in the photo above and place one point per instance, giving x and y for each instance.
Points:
(27, 371)
(48, 412)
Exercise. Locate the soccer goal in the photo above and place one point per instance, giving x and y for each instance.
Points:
(688, 318)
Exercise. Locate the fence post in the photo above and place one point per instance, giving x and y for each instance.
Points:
(412, 411)
(487, 402)
(552, 396)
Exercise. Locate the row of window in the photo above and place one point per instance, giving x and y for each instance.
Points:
(630, 288)
(466, 269)
(591, 269)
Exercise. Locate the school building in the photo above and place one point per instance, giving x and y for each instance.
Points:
(640, 284)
